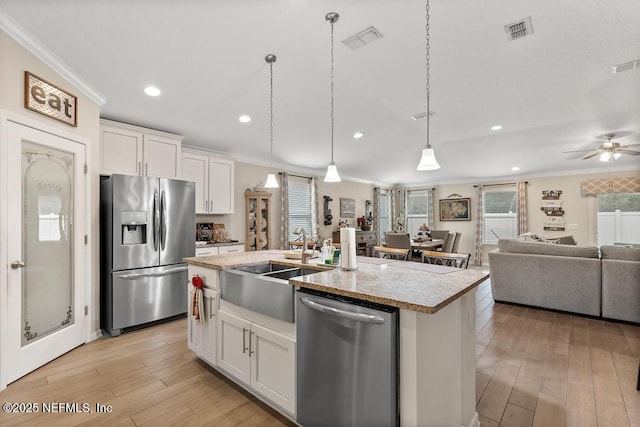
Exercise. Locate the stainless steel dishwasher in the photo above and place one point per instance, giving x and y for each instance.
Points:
(347, 359)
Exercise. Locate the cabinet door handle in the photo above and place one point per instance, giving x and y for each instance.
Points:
(211, 206)
(146, 169)
(211, 307)
(244, 343)
(250, 350)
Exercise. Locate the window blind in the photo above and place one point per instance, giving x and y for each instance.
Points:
(299, 207)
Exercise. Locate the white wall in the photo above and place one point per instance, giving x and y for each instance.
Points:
(14, 61)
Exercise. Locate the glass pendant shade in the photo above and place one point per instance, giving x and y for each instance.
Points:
(271, 181)
(332, 174)
(605, 157)
(616, 156)
(428, 160)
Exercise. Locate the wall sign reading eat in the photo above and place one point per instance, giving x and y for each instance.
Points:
(44, 98)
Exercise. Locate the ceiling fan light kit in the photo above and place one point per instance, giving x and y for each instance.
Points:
(609, 150)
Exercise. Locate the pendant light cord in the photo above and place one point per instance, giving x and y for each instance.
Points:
(428, 69)
(271, 111)
(332, 92)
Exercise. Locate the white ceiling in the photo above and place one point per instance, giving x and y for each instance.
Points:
(552, 91)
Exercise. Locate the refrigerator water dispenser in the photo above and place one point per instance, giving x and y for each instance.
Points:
(134, 228)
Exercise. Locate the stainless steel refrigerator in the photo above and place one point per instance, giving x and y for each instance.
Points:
(146, 229)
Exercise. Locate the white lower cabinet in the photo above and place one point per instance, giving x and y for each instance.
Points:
(216, 250)
(202, 334)
(259, 357)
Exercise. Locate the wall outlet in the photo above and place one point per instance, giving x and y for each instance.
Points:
(572, 226)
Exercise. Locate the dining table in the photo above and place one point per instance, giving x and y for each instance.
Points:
(429, 245)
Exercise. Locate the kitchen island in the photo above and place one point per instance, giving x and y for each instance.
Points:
(437, 327)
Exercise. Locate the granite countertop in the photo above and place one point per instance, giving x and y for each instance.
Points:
(415, 286)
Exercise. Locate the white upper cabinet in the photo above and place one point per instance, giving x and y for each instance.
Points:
(221, 185)
(196, 168)
(134, 150)
(214, 182)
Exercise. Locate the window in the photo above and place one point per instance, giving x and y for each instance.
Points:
(417, 210)
(300, 206)
(618, 218)
(500, 217)
(384, 214)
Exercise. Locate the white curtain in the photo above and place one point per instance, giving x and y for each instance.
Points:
(376, 213)
(430, 208)
(315, 209)
(284, 211)
(521, 197)
(477, 257)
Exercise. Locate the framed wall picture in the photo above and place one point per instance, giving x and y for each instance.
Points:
(347, 208)
(455, 209)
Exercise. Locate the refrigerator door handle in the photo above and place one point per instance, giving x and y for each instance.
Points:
(357, 317)
(155, 274)
(156, 220)
(163, 226)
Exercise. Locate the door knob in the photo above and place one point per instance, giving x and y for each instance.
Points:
(16, 264)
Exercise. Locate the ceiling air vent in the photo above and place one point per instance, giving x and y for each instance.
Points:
(421, 116)
(519, 29)
(632, 65)
(364, 37)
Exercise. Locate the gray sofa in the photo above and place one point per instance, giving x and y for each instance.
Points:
(559, 277)
(620, 283)
(583, 280)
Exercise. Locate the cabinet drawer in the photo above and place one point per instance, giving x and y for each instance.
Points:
(230, 249)
(207, 251)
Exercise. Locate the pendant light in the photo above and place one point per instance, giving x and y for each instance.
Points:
(428, 160)
(271, 177)
(332, 170)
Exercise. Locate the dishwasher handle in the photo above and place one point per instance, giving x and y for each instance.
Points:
(357, 317)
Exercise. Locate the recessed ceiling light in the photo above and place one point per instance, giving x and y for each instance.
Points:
(244, 119)
(152, 91)
(515, 168)
(358, 135)
(497, 127)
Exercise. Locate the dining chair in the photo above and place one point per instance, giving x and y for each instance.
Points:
(456, 242)
(397, 240)
(447, 259)
(438, 234)
(447, 243)
(391, 253)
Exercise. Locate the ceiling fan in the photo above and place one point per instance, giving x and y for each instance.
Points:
(609, 150)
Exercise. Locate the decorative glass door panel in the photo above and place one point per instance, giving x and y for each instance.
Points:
(46, 252)
(47, 241)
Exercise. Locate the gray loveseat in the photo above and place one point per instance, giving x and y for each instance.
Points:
(620, 283)
(583, 280)
(559, 277)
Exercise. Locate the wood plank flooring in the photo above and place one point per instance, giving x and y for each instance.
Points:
(534, 368)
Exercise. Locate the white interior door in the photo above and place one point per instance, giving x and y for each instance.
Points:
(45, 250)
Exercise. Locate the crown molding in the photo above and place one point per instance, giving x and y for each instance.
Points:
(19, 34)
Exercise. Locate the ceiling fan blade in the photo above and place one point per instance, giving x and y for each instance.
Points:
(576, 151)
(633, 153)
(629, 145)
(590, 156)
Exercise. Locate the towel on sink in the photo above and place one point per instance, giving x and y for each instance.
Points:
(197, 306)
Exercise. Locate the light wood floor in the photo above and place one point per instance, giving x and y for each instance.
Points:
(534, 368)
